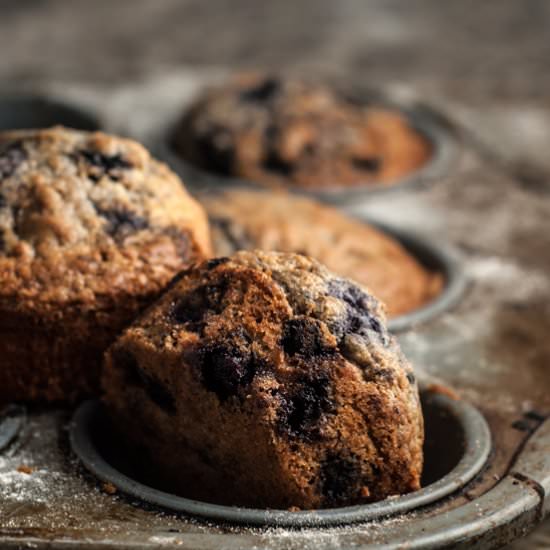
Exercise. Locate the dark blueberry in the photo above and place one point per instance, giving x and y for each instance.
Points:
(122, 222)
(215, 262)
(302, 409)
(234, 233)
(11, 157)
(105, 164)
(212, 155)
(191, 309)
(265, 91)
(2, 241)
(340, 478)
(188, 311)
(358, 318)
(349, 293)
(225, 370)
(274, 163)
(303, 336)
(137, 377)
(368, 164)
(411, 378)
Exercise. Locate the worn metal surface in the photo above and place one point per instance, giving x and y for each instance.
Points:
(12, 420)
(438, 257)
(458, 443)
(484, 67)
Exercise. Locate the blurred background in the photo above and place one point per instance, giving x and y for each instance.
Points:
(490, 59)
(498, 47)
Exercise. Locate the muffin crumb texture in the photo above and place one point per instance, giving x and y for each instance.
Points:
(91, 230)
(285, 132)
(263, 380)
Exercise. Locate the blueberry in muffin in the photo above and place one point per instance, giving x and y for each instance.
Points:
(268, 220)
(91, 230)
(264, 380)
(285, 132)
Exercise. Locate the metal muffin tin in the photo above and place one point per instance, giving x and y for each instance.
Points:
(18, 112)
(425, 121)
(12, 420)
(455, 432)
(436, 257)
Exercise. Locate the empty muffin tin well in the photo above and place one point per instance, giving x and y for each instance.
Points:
(19, 112)
(458, 443)
(423, 120)
(12, 420)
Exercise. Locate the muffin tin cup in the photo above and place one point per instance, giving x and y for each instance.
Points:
(20, 112)
(434, 256)
(423, 120)
(458, 443)
(12, 420)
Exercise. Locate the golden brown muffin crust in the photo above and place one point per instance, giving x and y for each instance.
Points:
(91, 229)
(84, 216)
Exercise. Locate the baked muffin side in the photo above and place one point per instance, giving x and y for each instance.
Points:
(245, 220)
(263, 380)
(91, 230)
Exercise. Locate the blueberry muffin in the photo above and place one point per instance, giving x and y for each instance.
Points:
(91, 230)
(264, 380)
(283, 132)
(241, 219)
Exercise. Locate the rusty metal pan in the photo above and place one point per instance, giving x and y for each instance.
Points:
(458, 443)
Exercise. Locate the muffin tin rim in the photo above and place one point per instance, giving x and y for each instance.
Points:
(37, 100)
(426, 250)
(12, 419)
(420, 118)
(478, 446)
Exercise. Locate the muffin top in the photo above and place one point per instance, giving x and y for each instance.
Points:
(236, 312)
(274, 381)
(85, 217)
(279, 132)
(264, 380)
(242, 219)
